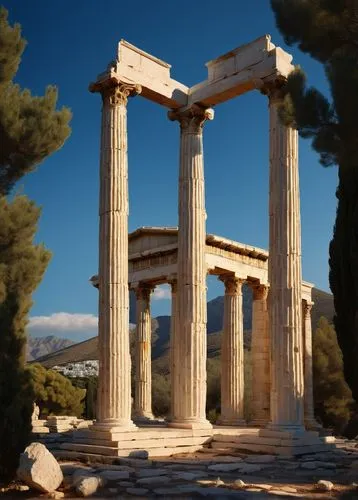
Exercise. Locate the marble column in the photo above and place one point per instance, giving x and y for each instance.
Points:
(284, 275)
(114, 392)
(189, 391)
(310, 421)
(232, 355)
(174, 340)
(260, 358)
(143, 375)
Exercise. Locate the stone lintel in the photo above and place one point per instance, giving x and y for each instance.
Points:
(152, 74)
(247, 68)
(307, 291)
(243, 56)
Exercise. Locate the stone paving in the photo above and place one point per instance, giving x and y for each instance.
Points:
(216, 474)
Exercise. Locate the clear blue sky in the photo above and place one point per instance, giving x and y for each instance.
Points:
(69, 43)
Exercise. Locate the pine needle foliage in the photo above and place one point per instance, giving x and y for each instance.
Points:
(30, 130)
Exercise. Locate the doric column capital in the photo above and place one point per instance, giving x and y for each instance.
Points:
(172, 280)
(307, 307)
(260, 292)
(233, 285)
(192, 119)
(143, 290)
(274, 92)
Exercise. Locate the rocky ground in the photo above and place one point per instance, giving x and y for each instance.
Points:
(211, 473)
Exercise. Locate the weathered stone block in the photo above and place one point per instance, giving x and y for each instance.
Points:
(39, 469)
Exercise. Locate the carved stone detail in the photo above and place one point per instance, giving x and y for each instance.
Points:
(233, 285)
(117, 95)
(192, 120)
(274, 91)
(260, 292)
(143, 291)
(307, 308)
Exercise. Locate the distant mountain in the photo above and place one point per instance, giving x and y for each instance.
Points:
(42, 346)
(161, 332)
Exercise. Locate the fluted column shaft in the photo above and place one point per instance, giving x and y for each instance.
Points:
(232, 355)
(189, 391)
(285, 310)
(174, 349)
(260, 358)
(310, 421)
(143, 379)
(114, 394)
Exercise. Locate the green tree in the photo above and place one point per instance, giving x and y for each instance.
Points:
(213, 393)
(161, 394)
(332, 396)
(30, 130)
(328, 31)
(55, 394)
(90, 384)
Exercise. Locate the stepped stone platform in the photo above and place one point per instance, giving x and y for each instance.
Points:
(275, 442)
(157, 441)
(162, 441)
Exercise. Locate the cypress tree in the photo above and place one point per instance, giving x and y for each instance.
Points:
(30, 129)
(332, 396)
(327, 30)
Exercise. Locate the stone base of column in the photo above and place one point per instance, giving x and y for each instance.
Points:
(231, 422)
(113, 426)
(273, 442)
(190, 424)
(311, 424)
(292, 429)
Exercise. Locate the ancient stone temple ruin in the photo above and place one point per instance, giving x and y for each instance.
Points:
(282, 402)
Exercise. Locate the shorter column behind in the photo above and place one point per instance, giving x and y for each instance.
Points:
(310, 421)
(143, 378)
(174, 350)
(260, 358)
(232, 355)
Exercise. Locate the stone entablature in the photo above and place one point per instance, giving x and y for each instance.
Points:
(152, 257)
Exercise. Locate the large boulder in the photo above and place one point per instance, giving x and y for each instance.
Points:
(39, 469)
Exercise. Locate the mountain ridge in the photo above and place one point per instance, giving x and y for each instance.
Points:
(41, 346)
(161, 331)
